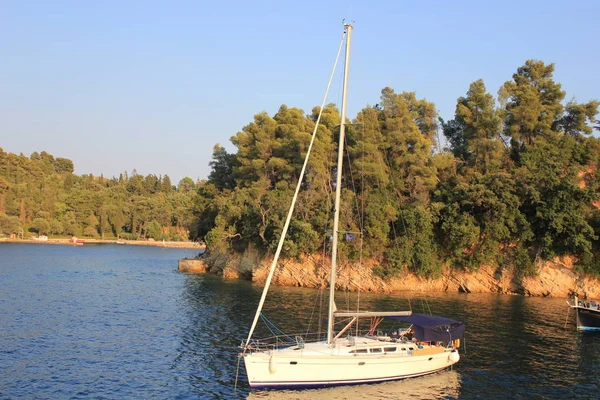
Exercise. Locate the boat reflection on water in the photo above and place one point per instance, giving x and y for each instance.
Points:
(443, 385)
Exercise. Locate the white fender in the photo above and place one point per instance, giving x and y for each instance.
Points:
(272, 364)
(453, 357)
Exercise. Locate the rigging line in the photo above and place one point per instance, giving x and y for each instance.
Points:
(291, 210)
(351, 176)
(320, 328)
(362, 216)
(385, 161)
(312, 313)
(356, 203)
(327, 186)
(320, 295)
(277, 332)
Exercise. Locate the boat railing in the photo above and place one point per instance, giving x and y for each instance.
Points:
(590, 305)
(280, 341)
(300, 339)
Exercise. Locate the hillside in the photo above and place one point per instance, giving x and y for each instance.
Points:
(40, 195)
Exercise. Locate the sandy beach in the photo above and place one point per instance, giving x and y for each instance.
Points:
(168, 244)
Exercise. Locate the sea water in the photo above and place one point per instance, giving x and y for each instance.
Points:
(114, 322)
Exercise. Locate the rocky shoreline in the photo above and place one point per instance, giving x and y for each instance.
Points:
(167, 244)
(556, 278)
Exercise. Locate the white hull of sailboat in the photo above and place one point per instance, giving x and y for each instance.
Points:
(289, 368)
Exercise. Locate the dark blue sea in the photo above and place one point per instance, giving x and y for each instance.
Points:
(120, 322)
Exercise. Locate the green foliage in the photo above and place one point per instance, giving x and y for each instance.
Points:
(475, 131)
(414, 246)
(576, 118)
(40, 225)
(479, 219)
(302, 239)
(222, 168)
(154, 230)
(9, 224)
(44, 196)
(186, 185)
(90, 231)
(554, 203)
(64, 166)
(522, 260)
(517, 185)
(532, 103)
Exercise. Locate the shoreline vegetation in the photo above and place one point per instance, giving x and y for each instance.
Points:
(166, 244)
(513, 189)
(514, 186)
(41, 196)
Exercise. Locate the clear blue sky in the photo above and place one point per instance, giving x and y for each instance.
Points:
(118, 85)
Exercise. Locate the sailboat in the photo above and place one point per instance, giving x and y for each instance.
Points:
(348, 357)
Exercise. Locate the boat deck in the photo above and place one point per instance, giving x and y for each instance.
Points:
(361, 346)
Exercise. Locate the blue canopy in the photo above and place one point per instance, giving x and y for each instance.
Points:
(429, 328)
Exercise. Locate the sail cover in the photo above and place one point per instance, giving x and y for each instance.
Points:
(429, 328)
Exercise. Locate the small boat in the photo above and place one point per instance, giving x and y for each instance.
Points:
(120, 242)
(76, 242)
(349, 355)
(587, 314)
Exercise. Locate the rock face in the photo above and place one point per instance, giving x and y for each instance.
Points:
(192, 265)
(555, 278)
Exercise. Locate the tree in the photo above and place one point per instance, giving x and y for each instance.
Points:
(64, 165)
(575, 120)
(479, 220)
(552, 199)
(40, 225)
(154, 230)
(90, 231)
(56, 227)
(532, 103)
(222, 168)
(9, 224)
(4, 186)
(475, 131)
(186, 185)
(406, 150)
(93, 221)
(167, 186)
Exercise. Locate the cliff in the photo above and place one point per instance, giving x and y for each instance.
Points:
(555, 278)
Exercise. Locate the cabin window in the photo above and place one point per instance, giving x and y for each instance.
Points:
(389, 349)
(293, 362)
(404, 349)
(376, 350)
(358, 351)
(411, 348)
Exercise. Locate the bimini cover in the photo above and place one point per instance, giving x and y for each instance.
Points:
(429, 328)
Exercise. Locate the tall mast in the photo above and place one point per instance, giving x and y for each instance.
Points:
(291, 209)
(338, 189)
